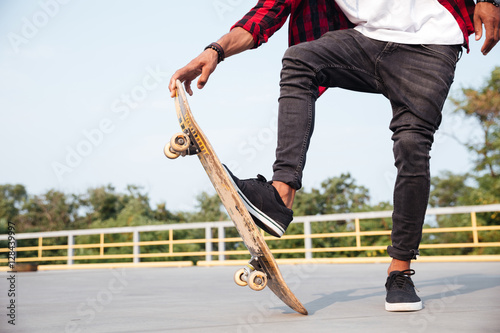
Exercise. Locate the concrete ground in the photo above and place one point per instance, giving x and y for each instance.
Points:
(458, 297)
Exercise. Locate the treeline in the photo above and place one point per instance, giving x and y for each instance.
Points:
(100, 207)
(104, 207)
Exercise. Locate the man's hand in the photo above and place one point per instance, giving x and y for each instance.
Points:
(203, 65)
(488, 15)
(234, 42)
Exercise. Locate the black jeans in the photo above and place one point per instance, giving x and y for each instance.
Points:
(415, 78)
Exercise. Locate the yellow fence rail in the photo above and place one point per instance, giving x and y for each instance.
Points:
(81, 246)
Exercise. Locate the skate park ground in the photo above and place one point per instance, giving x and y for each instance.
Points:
(457, 297)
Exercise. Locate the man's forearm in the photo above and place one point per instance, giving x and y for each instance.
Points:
(236, 41)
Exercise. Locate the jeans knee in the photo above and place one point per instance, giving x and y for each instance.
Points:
(297, 73)
(294, 53)
(411, 153)
(298, 61)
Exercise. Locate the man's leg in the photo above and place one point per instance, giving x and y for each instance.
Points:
(344, 59)
(338, 59)
(417, 80)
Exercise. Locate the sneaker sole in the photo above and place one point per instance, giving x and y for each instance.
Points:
(393, 307)
(254, 211)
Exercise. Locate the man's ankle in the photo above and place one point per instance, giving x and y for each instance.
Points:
(286, 193)
(398, 265)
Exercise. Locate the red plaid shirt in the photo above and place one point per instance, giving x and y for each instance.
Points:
(309, 19)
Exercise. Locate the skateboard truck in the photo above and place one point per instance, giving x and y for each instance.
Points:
(251, 275)
(181, 144)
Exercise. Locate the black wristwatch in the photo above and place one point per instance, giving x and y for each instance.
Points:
(494, 2)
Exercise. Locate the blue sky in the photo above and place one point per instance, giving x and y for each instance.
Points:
(84, 102)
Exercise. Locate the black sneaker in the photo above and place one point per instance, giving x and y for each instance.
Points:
(264, 204)
(401, 295)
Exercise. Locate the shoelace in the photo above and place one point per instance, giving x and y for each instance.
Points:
(261, 178)
(401, 278)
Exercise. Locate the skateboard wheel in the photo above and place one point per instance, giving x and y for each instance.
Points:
(180, 142)
(240, 277)
(257, 280)
(169, 153)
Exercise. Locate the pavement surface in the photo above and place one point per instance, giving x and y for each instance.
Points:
(458, 297)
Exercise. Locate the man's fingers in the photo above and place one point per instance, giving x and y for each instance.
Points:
(209, 65)
(183, 76)
(202, 81)
(487, 46)
(205, 74)
(202, 65)
(488, 15)
(491, 39)
(488, 40)
(187, 86)
(478, 28)
(178, 75)
(492, 27)
(172, 87)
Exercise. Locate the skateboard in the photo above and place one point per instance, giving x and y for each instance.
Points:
(262, 269)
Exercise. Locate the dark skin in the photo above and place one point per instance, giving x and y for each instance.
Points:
(238, 40)
(488, 15)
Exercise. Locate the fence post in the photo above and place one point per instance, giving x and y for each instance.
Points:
(40, 247)
(171, 241)
(307, 239)
(71, 242)
(358, 230)
(222, 243)
(101, 250)
(208, 243)
(137, 249)
(474, 227)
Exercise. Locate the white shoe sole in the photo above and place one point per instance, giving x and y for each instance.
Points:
(393, 307)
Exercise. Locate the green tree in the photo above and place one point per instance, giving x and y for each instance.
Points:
(483, 105)
(481, 185)
(335, 195)
(52, 210)
(209, 208)
(103, 203)
(161, 213)
(450, 190)
(108, 208)
(12, 199)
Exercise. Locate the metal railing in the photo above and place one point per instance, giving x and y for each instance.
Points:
(212, 245)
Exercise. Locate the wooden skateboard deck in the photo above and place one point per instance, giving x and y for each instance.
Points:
(262, 269)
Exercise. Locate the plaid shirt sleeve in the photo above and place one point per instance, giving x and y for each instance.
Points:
(263, 20)
(463, 12)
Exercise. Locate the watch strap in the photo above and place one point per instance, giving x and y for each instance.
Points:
(493, 2)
